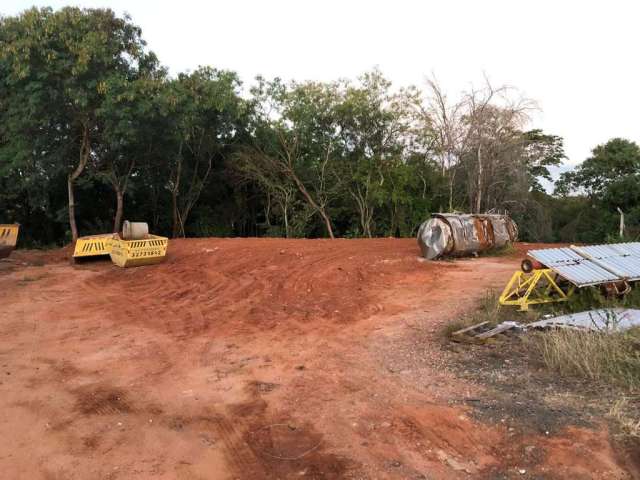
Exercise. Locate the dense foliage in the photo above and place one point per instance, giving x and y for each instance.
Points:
(93, 130)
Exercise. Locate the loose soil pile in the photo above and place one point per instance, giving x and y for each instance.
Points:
(259, 359)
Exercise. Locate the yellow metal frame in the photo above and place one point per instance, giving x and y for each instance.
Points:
(93, 245)
(538, 286)
(134, 253)
(8, 238)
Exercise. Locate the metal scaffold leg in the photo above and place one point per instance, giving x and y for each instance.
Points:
(538, 286)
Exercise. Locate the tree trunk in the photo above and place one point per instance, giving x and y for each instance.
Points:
(174, 205)
(451, 181)
(82, 162)
(327, 224)
(267, 211)
(285, 209)
(190, 197)
(72, 210)
(174, 195)
(117, 222)
(314, 205)
(479, 182)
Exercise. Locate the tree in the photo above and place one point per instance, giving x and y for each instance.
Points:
(203, 110)
(610, 180)
(302, 141)
(254, 166)
(376, 134)
(57, 67)
(91, 126)
(610, 164)
(474, 135)
(129, 116)
(541, 151)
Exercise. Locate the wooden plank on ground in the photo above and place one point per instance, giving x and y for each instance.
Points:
(467, 329)
(495, 331)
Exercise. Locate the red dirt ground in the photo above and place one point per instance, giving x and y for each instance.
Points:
(253, 359)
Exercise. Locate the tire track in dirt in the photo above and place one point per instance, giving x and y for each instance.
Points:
(220, 361)
(222, 297)
(242, 460)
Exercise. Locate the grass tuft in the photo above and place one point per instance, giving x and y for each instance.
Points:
(622, 412)
(508, 249)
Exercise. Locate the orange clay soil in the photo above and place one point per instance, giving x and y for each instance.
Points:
(254, 359)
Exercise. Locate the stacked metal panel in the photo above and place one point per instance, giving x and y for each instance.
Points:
(622, 259)
(593, 265)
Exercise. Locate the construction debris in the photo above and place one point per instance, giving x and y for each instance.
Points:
(482, 331)
(606, 320)
(450, 234)
(601, 320)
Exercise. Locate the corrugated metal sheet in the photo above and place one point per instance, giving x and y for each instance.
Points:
(622, 259)
(584, 274)
(603, 320)
(555, 256)
(593, 265)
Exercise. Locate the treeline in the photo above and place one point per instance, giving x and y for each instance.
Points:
(94, 129)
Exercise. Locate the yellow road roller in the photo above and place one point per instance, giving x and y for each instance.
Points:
(133, 247)
(93, 246)
(8, 238)
(136, 246)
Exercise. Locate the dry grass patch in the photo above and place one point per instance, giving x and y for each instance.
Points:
(626, 416)
(608, 358)
(488, 310)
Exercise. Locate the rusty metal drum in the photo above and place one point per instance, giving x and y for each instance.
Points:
(452, 234)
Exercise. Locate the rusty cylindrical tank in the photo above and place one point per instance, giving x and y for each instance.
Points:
(451, 234)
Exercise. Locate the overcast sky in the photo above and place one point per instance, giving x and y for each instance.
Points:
(579, 60)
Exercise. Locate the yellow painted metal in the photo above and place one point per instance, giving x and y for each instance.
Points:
(93, 245)
(133, 253)
(538, 286)
(8, 238)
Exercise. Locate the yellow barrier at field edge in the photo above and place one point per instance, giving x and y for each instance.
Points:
(8, 238)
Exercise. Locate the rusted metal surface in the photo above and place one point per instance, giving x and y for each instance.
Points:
(450, 234)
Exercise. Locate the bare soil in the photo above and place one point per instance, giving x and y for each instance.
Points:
(268, 359)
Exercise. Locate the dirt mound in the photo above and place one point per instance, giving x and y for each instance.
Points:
(262, 283)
